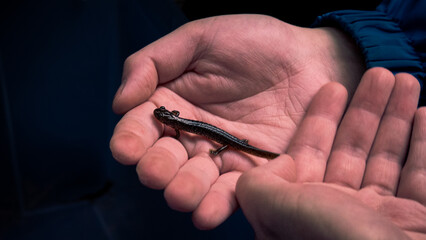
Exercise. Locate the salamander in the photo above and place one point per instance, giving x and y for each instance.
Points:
(172, 119)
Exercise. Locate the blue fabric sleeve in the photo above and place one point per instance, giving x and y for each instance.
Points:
(385, 36)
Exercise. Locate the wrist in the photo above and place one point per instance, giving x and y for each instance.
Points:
(342, 57)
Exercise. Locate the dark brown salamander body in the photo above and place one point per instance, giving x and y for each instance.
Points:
(216, 134)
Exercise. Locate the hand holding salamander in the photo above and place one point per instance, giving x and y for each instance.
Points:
(172, 119)
(209, 70)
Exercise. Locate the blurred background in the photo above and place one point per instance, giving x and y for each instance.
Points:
(296, 12)
(60, 65)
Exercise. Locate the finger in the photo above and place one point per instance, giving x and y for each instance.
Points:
(192, 182)
(161, 162)
(413, 176)
(218, 204)
(358, 128)
(279, 169)
(263, 188)
(159, 62)
(311, 145)
(134, 134)
(391, 143)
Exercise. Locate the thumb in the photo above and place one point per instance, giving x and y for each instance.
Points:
(261, 189)
(263, 178)
(158, 63)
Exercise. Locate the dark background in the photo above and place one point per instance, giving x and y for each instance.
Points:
(297, 12)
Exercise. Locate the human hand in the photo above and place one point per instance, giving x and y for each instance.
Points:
(251, 75)
(356, 187)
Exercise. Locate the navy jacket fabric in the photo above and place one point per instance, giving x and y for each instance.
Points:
(60, 65)
(393, 36)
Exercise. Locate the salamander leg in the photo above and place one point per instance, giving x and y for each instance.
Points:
(217, 151)
(175, 113)
(177, 133)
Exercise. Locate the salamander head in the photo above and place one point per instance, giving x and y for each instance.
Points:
(163, 115)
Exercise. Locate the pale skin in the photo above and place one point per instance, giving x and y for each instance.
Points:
(355, 186)
(253, 76)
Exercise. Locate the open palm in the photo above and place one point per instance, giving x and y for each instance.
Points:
(253, 76)
(359, 185)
